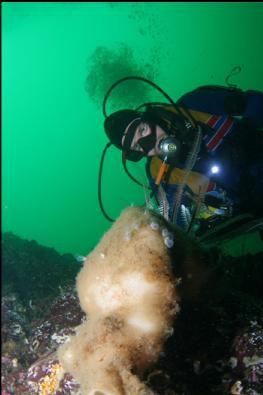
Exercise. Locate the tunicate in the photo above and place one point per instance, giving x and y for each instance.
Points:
(80, 258)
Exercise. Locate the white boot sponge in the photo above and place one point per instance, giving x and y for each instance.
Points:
(128, 291)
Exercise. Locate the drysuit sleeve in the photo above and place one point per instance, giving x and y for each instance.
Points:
(226, 101)
(254, 107)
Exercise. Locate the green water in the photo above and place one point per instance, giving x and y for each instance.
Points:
(58, 61)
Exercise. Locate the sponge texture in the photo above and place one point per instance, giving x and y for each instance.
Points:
(127, 288)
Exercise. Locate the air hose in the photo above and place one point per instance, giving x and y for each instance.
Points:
(190, 161)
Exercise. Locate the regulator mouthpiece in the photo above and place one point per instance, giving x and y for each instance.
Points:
(170, 148)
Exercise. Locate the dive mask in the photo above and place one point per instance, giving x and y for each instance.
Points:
(147, 143)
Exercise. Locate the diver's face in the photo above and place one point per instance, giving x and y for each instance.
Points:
(142, 132)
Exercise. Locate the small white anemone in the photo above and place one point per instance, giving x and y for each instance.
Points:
(169, 331)
(68, 356)
(154, 225)
(165, 232)
(169, 242)
(127, 235)
(135, 226)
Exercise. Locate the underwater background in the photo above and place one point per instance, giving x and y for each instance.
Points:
(59, 60)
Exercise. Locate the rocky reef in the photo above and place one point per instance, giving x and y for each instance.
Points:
(33, 272)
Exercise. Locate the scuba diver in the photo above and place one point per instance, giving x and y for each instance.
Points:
(204, 152)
